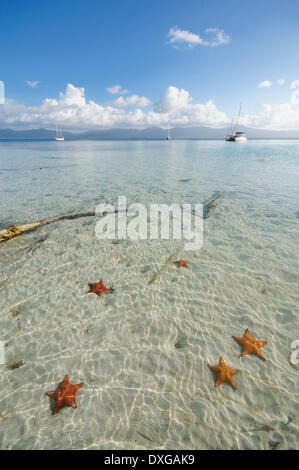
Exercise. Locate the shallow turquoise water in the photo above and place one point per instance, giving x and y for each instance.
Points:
(142, 351)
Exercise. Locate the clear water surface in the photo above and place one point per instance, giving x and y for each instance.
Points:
(142, 351)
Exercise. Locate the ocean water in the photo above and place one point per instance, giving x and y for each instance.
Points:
(143, 350)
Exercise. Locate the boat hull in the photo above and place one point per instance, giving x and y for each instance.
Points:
(236, 138)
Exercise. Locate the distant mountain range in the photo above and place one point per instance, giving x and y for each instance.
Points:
(151, 133)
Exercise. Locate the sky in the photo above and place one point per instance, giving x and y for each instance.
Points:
(93, 64)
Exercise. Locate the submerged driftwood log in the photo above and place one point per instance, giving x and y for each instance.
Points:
(16, 230)
(167, 263)
(210, 205)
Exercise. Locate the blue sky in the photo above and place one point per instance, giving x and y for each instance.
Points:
(96, 44)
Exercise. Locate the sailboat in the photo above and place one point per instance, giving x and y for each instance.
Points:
(59, 136)
(168, 133)
(235, 135)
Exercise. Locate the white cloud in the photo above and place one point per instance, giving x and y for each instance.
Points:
(220, 37)
(265, 84)
(133, 100)
(32, 84)
(117, 90)
(295, 84)
(173, 99)
(182, 37)
(281, 81)
(73, 112)
(177, 35)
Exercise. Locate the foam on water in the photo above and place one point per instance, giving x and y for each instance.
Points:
(142, 351)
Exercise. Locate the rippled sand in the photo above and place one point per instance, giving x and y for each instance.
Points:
(142, 351)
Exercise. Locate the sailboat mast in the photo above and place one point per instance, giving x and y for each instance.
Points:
(238, 120)
(232, 126)
(168, 131)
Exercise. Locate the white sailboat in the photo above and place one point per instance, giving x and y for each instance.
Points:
(59, 136)
(168, 133)
(235, 135)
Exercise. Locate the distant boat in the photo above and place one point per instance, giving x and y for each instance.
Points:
(168, 134)
(59, 136)
(235, 135)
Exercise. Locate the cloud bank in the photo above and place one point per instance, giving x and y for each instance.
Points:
(72, 111)
(282, 117)
(133, 100)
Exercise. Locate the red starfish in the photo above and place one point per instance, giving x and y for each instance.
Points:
(250, 345)
(97, 288)
(64, 395)
(182, 263)
(224, 373)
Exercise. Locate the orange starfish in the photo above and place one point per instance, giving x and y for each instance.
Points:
(98, 288)
(224, 373)
(250, 345)
(181, 263)
(64, 395)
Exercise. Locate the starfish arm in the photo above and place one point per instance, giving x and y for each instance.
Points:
(260, 355)
(239, 340)
(58, 405)
(232, 383)
(70, 401)
(79, 385)
(65, 383)
(72, 390)
(261, 343)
